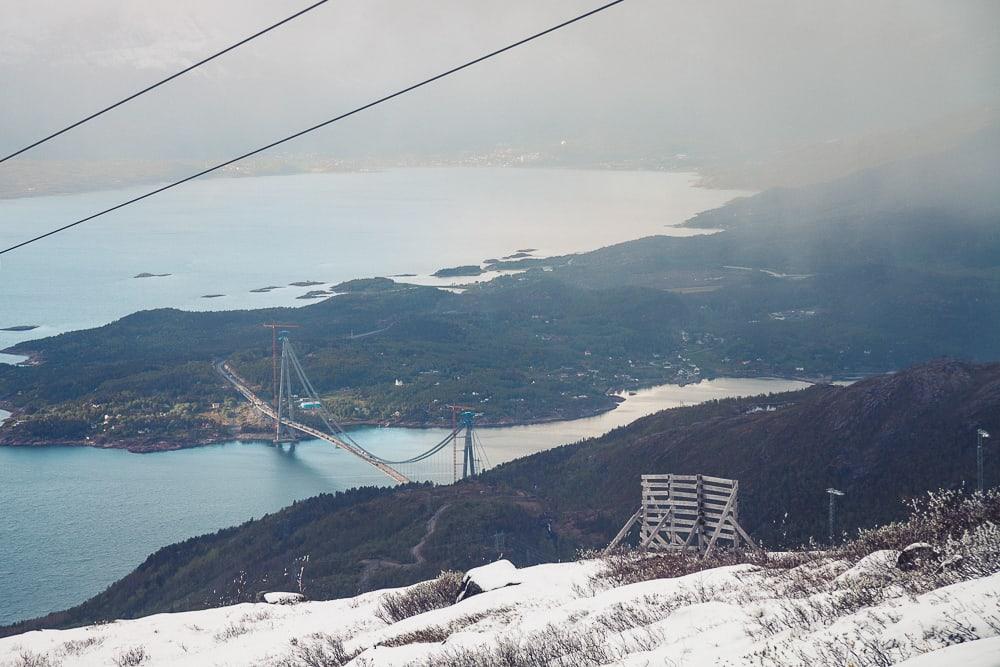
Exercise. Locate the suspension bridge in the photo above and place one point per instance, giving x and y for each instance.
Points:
(295, 394)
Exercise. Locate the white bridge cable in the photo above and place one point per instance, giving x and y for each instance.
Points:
(334, 426)
(478, 446)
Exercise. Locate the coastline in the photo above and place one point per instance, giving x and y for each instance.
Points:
(234, 433)
(154, 445)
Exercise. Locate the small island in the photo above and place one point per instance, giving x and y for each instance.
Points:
(211, 296)
(316, 294)
(306, 283)
(21, 327)
(363, 285)
(262, 290)
(520, 254)
(455, 271)
(151, 275)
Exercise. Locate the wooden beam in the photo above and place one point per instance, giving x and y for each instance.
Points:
(722, 522)
(656, 531)
(624, 531)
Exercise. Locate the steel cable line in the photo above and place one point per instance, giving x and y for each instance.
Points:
(166, 80)
(300, 133)
(334, 426)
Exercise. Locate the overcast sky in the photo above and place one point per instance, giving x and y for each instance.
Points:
(646, 75)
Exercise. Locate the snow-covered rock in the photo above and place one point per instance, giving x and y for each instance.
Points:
(916, 556)
(487, 578)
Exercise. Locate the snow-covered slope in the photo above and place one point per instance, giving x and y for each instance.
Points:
(737, 615)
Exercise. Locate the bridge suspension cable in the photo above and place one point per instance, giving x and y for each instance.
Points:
(289, 359)
(283, 412)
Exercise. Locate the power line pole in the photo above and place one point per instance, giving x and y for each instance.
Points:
(980, 435)
(833, 510)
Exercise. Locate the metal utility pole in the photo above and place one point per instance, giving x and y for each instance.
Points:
(980, 435)
(833, 510)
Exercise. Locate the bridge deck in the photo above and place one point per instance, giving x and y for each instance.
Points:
(262, 406)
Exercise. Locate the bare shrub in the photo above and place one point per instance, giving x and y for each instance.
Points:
(319, 650)
(976, 553)
(30, 659)
(432, 634)
(132, 657)
(934, 518)
(78, 646)
(623, 617)
(554, 646)
(232, 631)
(624, 567)
(429, 595)
(258, 615)
(439, 633)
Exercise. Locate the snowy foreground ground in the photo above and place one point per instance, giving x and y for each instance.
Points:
(737, 615)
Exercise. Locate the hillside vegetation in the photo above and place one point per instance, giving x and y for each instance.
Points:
(882, 440)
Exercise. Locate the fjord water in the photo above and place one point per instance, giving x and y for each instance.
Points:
(231, 235)
(75, 519)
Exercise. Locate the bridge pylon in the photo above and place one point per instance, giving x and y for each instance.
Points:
(285, 402)
(280, 376)
(467, 418)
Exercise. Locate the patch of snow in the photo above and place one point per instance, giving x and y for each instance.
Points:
(875, 566)
(737, 615)
(979, 653)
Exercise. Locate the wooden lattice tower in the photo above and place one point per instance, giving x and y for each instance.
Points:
(687, 512)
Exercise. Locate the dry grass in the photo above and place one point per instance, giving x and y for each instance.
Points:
(439, 633)
(555, 646)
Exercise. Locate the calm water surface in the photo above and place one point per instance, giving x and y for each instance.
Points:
(229, 236)
(73, 520)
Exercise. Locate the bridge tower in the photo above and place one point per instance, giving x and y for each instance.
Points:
(278, 372)
(284, 401)
(469, 457)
